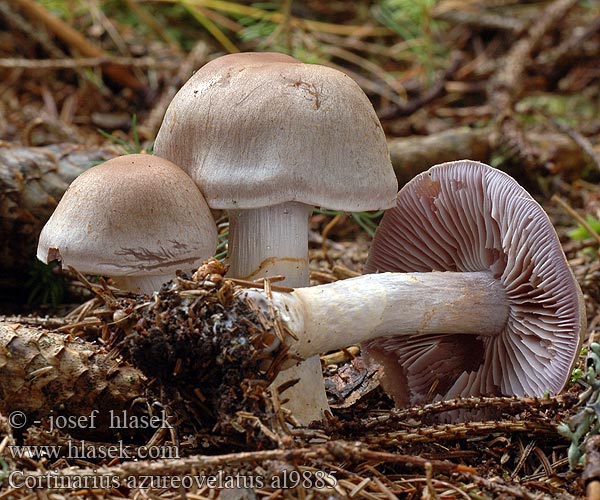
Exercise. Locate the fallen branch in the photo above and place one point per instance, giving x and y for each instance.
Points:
(399, 108)
(499, 488)
(415, 154)
(463, 430)
(82, 62)
(478, 18)
(32, 181)
(579, 45)
(583, 142)
(506, 405)
(506, 85)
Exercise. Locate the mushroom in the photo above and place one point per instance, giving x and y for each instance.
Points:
(267, 138)
(136, 218)
(467, 217)
(481, 300)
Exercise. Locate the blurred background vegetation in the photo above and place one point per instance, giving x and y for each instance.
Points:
(427, 65)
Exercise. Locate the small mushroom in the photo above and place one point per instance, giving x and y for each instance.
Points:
(481, 300)
(267, 138)
(136, 218)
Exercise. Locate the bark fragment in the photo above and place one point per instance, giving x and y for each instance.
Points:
(32, 181)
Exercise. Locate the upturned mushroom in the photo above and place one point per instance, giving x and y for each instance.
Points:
(267, 138)
(136, 218)
(481, 300)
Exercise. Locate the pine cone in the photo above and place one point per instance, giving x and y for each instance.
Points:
(44, 373)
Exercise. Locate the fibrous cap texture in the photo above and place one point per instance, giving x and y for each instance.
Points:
(256, 130)
(133, 215)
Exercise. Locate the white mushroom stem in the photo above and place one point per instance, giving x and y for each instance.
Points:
(270, 241)
(274, 241)
(141, 284)
(336, 315)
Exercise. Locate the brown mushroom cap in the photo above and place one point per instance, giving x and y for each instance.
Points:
(466, 216)
(133, 215)
(256, 130)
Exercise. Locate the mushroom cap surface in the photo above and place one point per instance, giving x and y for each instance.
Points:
(255, 130)
(133, 215)
(467, 216)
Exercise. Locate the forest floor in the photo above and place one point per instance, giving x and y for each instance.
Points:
(513, 84)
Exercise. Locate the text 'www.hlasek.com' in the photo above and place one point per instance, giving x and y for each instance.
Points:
(104, 477)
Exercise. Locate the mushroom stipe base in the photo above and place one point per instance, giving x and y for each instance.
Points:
(203, 347)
